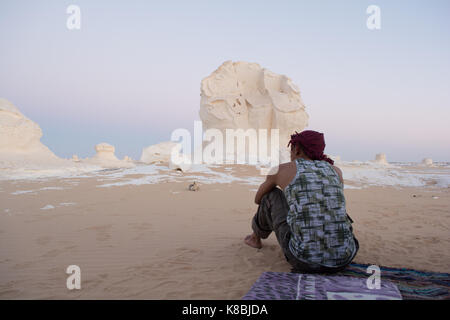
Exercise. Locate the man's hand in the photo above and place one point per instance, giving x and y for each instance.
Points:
(265, 187)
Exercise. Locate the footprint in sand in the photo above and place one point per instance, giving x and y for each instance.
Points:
(141, 229)
(92, 283)
(57, 252)
(52, 253)
(44, 240)
(166, 283)
(432, 240)
(103, 233)
(23, 265)
(9, 293)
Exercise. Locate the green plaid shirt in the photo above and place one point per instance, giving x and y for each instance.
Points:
(321, 230)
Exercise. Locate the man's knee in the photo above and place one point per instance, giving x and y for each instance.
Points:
(274, 192)
(278, 206)
(273, 195)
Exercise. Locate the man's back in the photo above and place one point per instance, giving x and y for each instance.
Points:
(287, 172)
(321, 229)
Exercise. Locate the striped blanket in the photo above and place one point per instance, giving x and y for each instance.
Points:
(351, 283)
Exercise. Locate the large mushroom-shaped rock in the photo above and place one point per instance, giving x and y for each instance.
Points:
(242, 95)
(106, 158)
(105, 152)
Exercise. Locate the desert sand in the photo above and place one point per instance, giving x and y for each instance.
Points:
(158, 240)
(137, 232)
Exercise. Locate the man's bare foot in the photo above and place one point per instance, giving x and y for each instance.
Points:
(253, 241)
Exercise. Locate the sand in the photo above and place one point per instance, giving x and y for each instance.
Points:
(161, 241)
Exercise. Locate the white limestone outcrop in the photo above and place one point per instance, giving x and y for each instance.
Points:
(106, 158)
(243, 95)
(160, 152)
(183, 163)
(20, 140)
(380, 158)
(427, 162)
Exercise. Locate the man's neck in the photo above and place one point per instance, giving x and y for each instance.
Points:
(301, 157)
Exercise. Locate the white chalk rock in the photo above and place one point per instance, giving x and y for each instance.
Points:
(427, 162)
(105, 152)
(127, 158)
(75, 158)
(242, 95)
(160, 152)
(20, 144)
(380, 158)
(183, 163)
(106, 158)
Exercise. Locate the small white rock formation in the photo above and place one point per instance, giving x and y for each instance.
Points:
(20, 144)
(160, 152)
(75, 158)
(105, 152)
(106, 158)
(242, 95)
(127, 158)
(183, 163)
(427, 162)
(380, 158)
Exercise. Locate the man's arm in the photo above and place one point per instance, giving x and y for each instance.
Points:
(339, 172)
(265, 187)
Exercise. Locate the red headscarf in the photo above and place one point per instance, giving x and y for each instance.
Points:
(312, 143)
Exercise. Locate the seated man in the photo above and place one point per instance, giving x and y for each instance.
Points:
(308, 213)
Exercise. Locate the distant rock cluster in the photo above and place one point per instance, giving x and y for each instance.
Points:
(238, 95)
(21, 146)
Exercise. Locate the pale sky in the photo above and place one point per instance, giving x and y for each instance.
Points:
(132, 74)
